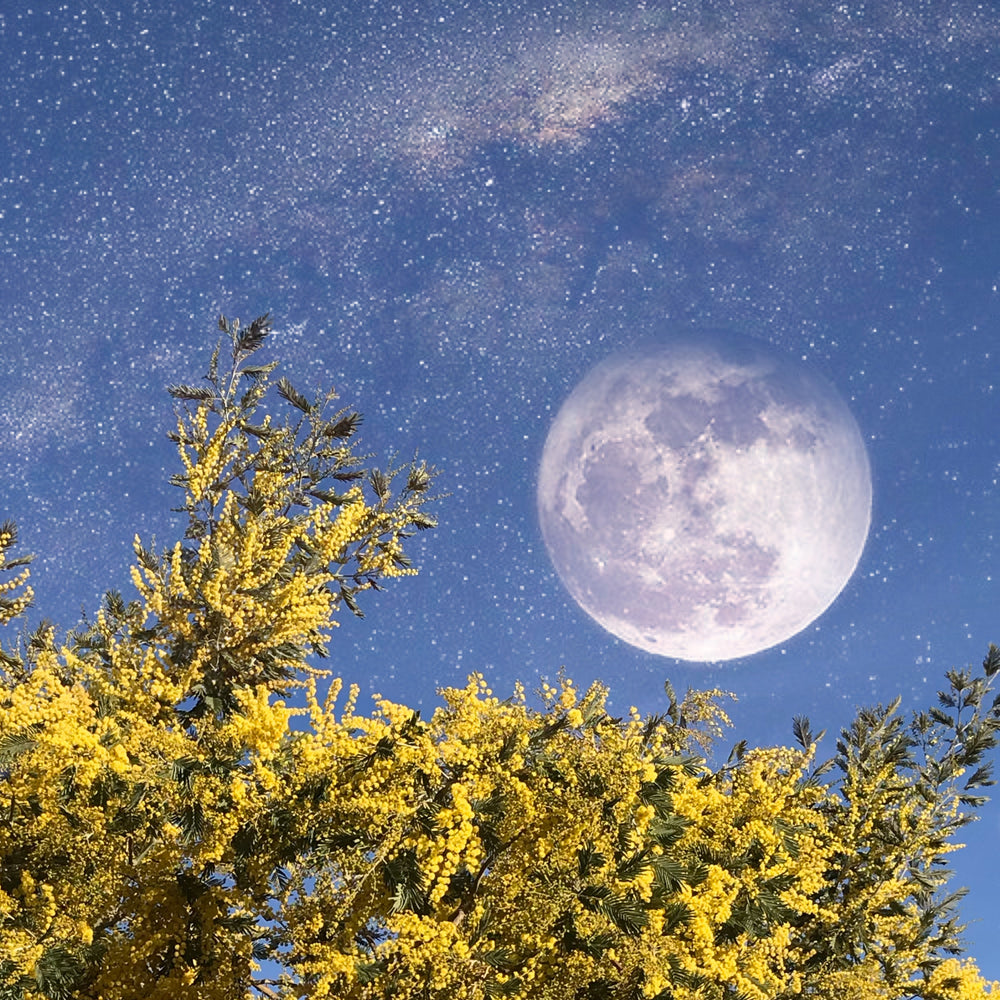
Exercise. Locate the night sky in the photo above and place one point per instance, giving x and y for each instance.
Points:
(453, 213)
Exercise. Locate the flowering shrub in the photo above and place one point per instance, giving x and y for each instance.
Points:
(166, 831)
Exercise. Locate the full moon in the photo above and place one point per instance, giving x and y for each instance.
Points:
(705, 498)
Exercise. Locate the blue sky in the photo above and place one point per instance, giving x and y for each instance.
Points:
(453, 213)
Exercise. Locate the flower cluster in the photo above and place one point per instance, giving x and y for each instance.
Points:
(12, 603)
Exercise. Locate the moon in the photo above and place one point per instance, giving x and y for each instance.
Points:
(705, 498)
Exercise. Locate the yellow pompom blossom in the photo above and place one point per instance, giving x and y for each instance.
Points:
(12, 603)
(174, 824)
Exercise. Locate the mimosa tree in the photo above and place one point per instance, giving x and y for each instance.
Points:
(167, 830)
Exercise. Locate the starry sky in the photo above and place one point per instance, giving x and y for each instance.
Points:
(453, 212)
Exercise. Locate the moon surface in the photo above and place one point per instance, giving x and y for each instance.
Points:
(705, 498)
